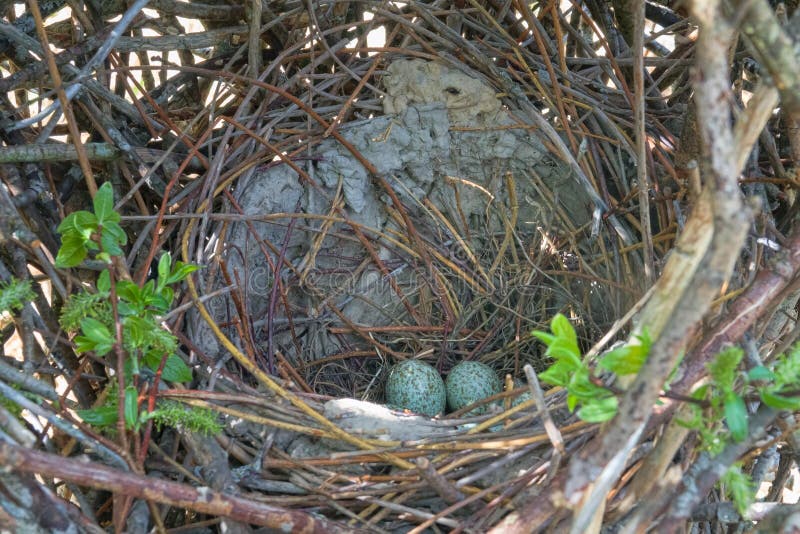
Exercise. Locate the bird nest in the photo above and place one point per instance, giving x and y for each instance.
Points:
(434, 197)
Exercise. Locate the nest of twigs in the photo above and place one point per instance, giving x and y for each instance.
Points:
(606, 100)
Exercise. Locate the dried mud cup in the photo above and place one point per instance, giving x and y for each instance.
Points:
(460, 164)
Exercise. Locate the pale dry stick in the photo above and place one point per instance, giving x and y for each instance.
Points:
(750, 123)
(774, 48)
(657, 462)
(51, 152)
(446, 490)
(641, 139)
(549, 425)
(721, 236)
(510, 223)
(63, 99)
(254, 39)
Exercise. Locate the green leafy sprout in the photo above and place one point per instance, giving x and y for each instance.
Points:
(718, 408)
(167, 413)
(83, 231)
(14, 294)
(722, 405)
(572, 372)
(89, 314)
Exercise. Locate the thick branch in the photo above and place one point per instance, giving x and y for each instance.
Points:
(709, 248)
(774, 49)
(202, 500)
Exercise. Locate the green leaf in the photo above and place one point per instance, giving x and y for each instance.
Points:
(100, 416)
(109, 243)
(94, 329)
(562, 349)
(580, 386)
(132, 365)
(72, 251)
(723, 368)
(779, 402)
(67, 224)
(128, 290)
(628, 359)
(135, 331)
(760, 373)
(562, 328)
(557, 374)
(84, 223)
(625, 360)
(163, 300)
(131, 407)
(740, 487)
(544, 337)
(180, 272)
(572, 402)
(96, 336)
(132, 298)
(736, 416)
(104, 202)
(164, 268)
(83, 344)
(175, 370)
(104, 282)
(115, 232)
(598, 411)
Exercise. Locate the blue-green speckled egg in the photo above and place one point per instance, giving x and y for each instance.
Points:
(470, 382)
(416, 386)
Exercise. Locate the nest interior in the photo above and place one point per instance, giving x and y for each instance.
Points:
(483, 206)
(429, 212)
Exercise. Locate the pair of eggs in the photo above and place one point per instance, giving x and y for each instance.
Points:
(416, 386)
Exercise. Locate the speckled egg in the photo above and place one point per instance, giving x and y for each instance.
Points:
(470, 382)
(522, 397)
(416, 386)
